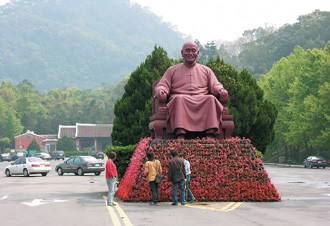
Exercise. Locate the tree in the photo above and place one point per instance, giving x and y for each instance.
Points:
(33, 146)
(254, 117)
(132, 112)
(10, 124)
(66, 144)
(299, 87)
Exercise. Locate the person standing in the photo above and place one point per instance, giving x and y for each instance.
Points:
(176, 175)
(188, 173)
(151, 168)
(111, 175)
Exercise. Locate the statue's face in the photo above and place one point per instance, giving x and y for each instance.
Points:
(189, 52)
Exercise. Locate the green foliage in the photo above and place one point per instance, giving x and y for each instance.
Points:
(66, 144)
(134, 109)
(299, 87)
(76, 153)
(262, 47)
(254, 117)
(65, 43)
(124, 154)
(33, 146)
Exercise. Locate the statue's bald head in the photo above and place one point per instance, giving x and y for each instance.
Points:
(189, 44)
(190, 53)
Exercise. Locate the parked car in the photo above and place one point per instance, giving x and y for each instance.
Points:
(79, 165)
(27, 166)
(45, 156)
(56, 155)
(31, 153)
(315, 161)
(17, 155)
(5, 157)
(97, 154)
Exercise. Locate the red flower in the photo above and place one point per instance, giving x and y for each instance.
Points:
(228, 170)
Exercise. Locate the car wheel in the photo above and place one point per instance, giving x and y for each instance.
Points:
(97, 173)
(323, 167)
(80, 172)
(60, 171)
(8, 173)
(44, 174)
(25, 173)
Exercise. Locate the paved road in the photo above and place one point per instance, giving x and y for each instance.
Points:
(72, 200)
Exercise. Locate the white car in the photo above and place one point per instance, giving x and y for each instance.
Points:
(27, 166)
(45, 156)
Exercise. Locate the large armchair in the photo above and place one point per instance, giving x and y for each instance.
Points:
(158, 120)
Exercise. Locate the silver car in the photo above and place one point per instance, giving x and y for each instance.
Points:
(79, 165)
(27, 166)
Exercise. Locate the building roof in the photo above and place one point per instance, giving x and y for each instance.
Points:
(93, 130)
(85, 130)
(28, 132)
(68, 131)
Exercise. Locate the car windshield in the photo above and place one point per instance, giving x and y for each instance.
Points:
(89, 159)
(34, 159)
(317, 158)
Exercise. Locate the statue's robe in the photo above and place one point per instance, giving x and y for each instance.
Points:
(192, 104)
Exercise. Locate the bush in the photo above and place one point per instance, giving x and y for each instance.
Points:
(124, 154)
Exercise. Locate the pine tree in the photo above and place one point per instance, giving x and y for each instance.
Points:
(132, 112)
(254, 117)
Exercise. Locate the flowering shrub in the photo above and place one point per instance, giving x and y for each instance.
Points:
(228, 170)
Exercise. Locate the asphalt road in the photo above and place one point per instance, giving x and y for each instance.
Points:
(71, 200)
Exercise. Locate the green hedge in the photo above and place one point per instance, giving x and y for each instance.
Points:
(124, 154)
(74, 153)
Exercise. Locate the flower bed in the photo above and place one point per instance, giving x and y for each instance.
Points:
(228, 170)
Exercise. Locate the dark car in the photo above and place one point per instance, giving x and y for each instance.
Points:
(17, 155)
(97, 154)
(315, 161)
(56, 155)
(79, 165)
(5, 157)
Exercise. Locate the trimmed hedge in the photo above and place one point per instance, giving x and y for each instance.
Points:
(124, 154)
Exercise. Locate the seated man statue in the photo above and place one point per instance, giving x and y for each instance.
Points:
(192, 90)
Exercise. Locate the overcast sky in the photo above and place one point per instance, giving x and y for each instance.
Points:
(208, 20)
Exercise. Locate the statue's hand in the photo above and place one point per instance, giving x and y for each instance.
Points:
(161, 95)
(223, 94)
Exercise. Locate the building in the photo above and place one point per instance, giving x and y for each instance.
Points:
(97, 136)
(47, 142)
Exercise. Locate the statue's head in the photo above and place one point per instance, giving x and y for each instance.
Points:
(190, 52)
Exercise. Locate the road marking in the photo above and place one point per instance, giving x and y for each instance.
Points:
(227, 207)
(232, 207)
(121, 213)
(38, 202)
(4, 197)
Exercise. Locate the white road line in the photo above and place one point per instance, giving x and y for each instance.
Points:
(4, 197)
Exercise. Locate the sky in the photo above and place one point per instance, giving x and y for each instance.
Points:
(208, 20)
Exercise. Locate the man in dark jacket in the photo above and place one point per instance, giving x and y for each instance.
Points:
(176, 174)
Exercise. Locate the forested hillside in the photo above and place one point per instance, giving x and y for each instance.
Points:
(65, 43)
(258, 49)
